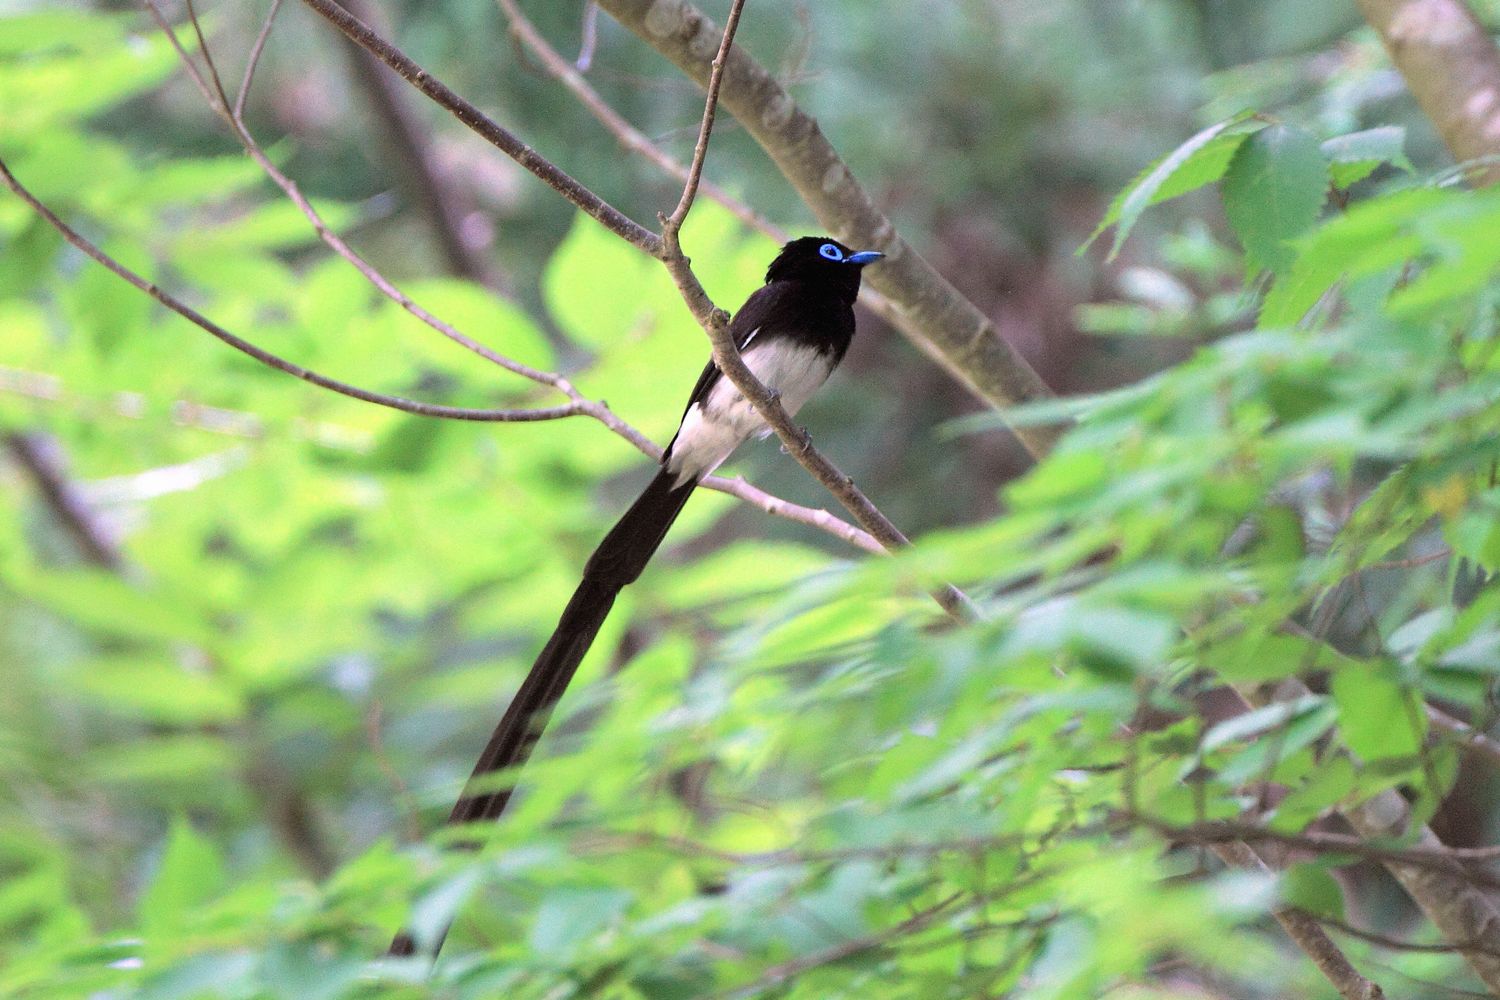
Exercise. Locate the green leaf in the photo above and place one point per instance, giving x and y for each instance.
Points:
(1379, 719)
(42, 31)
(570, 916)
(1273, 191)
(1369, 237)
(42, 94)
(1255, 655)
(1353, 157)
(153, 689)
(191, 874)
(101, 600)
(1309, 887)
(1199, 161)
(199, 763)
(1259, 721)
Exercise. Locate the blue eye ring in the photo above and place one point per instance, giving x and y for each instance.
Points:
(830, 252)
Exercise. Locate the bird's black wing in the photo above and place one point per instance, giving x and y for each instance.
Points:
(758, 308)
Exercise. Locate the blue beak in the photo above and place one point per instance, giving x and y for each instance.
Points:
(864, 257)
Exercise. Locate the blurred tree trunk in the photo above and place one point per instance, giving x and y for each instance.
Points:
(1453, 70)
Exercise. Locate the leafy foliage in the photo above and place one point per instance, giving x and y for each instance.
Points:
(781, 772)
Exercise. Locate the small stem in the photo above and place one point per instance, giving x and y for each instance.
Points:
(479, 123)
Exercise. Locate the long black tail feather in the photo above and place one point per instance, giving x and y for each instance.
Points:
(617, 562)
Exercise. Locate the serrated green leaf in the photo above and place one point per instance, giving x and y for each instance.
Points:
(1274, 188)
(191, 873)
(1199, 161)
(1378, 718)
(1353, 157)
(1369, 237)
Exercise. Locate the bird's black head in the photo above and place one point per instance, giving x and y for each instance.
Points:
(822, 260)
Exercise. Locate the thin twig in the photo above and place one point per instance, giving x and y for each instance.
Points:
(1395, 944)
(254, 60)
(1221, 831)
(208, 58)
(483, 126)
(441, 203)
(715, 323)
(260, 354)
(674, 222)
(737, 487)
(778, 974)
(631, 138)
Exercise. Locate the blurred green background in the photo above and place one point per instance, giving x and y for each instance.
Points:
(224, 730)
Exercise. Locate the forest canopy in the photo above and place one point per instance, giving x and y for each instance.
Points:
(1135, 637)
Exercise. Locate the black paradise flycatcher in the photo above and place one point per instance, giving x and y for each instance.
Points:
(792, 332)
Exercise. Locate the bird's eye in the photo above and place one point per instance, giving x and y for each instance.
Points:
(830, 251)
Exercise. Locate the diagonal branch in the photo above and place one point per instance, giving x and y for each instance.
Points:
(629, 137)
(736, 487)
(1306, 933)
(928, 309)
(438, 201)
(502, 139)
(715, 323)
(253, 61)
(673, 223)
(42, 458)
(265, 357)
(1445, 892)
(1453, 70)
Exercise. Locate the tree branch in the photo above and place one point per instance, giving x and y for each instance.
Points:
(629, 137)
(1304, 931)
(435, 198)
(505, 141)
(1463, 914)
(1453, 70)
(266, 357)
(1443, 889)
(715, 323)
(44, 462)
(929, 310)
(736, 487)
(252, 62)
(673, 223)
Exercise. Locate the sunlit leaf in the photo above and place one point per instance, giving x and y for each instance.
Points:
(1273, 190)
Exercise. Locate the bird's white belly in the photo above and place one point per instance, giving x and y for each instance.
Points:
(712, 429)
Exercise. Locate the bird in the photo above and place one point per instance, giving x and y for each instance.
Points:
(791, 332)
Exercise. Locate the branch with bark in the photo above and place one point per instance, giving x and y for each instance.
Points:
(1453, 70)
(665, 248)
(933, 314)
